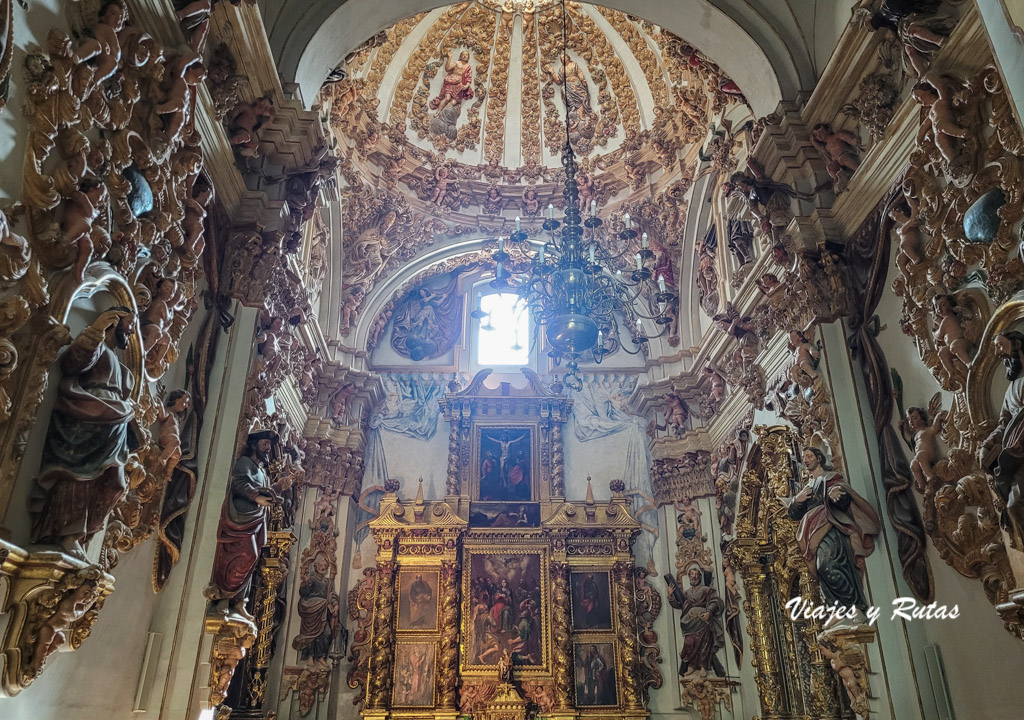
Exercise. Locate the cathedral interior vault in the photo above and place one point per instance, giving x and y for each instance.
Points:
(286, 424)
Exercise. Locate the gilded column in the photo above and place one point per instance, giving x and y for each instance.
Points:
(272, 574)
(448, 667)
(824, 692)
(378, 684)
(762, 638)
(557, 469)
(561, 640)
(452, 484)
(629, 651)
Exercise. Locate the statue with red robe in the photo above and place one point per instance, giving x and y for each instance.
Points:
(458, 83)
(836, 531)
(242, 531)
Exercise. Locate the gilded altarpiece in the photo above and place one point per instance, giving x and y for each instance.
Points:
(791, 662)
(471, 612)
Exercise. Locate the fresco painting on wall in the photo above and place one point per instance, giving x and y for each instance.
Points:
(499, 515)
(595, 674)
(506, 459)
(591, 601)
(505, 609)
(414, 674)
(417, 601)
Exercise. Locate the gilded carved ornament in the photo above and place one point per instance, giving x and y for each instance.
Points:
(53, 603)
(768, 557)
(958, 277)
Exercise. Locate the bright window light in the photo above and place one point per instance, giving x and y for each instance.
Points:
(503, 333)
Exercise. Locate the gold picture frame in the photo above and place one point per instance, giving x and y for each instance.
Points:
(595, 681)
(498, 582)
(415, 678)
(508, 438)
(590, 599)
(417, 600)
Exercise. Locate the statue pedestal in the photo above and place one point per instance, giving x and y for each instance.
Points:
(507, 704)
(845, 648)
(233, 635)
(53, 600)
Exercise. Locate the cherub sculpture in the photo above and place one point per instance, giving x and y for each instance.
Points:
(840, 148)
(492, 202)
(718, 389)
(677, 413)
(168, 430)
(339, 403)
(350, 309)
(922, 436)
(183, 74)
(953, 347)
(842, 663)
(908, 229)
(104, 45)
(806, 355)
(81, 593)
(81, 211)
(935, 93)
(156, 320)
(442, 181)
(244, 121)
(531, 203)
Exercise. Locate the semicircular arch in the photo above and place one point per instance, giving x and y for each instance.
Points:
(767, 58)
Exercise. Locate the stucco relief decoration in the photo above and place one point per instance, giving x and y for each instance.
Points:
(428, 321)
(115, 200)
(439, 126)
(955, 218)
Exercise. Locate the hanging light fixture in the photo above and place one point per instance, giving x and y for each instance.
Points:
(570, 288)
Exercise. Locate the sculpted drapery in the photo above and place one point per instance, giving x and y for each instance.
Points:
(89, 437)
(836, 531)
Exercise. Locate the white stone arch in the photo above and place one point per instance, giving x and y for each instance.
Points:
(763, 50)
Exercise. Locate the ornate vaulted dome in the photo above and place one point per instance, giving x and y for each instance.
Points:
(453, 121)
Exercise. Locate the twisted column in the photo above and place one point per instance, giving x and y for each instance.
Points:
(629, 651)
(448, 667)
(557, 467)
(378, 684)
(452, 484)
(561, 639)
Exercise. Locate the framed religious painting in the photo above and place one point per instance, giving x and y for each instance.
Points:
(504, 515)
(505, 608)
(417, 600)
(505, 463)
(595, 674)
(591, 601)
(414, 674)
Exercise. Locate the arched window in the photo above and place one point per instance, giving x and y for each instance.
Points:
(500, 329)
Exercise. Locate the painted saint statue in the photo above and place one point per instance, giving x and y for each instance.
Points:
(458, 83)
(318, 613)
(242, 531)
(89, 438)
(836, 532)
(701, 623)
